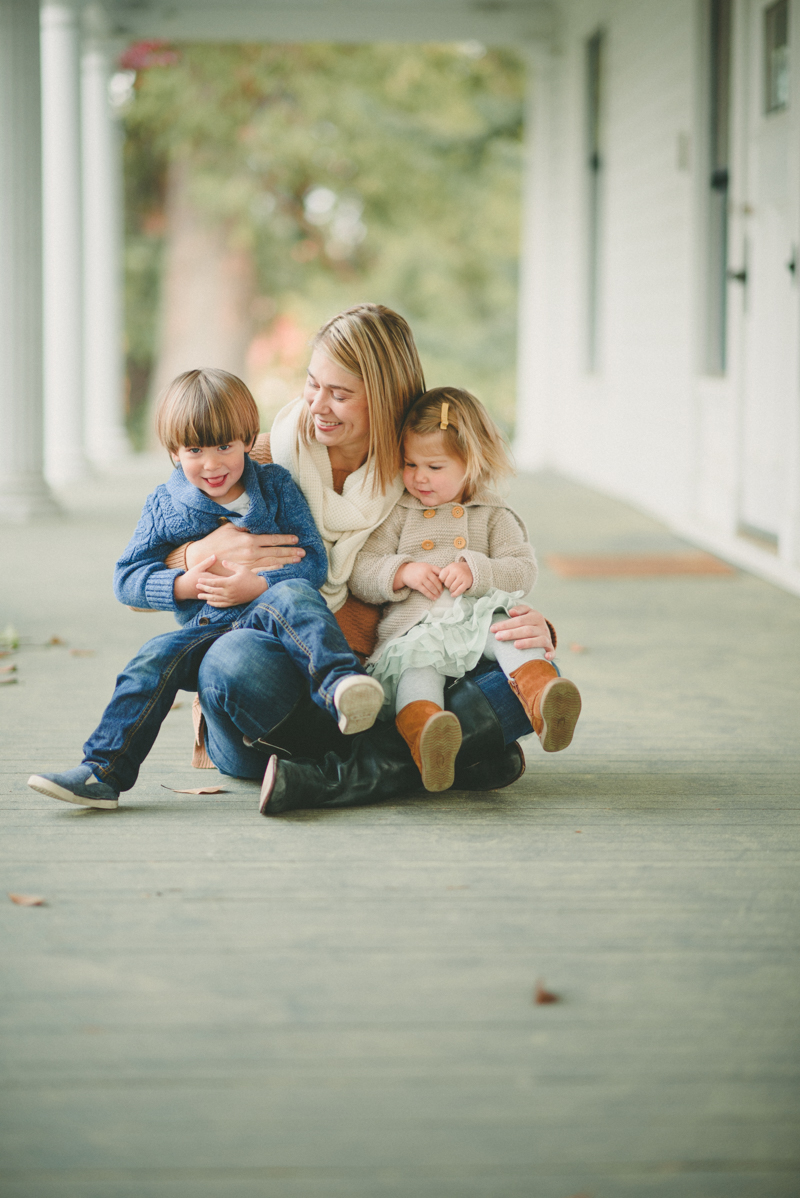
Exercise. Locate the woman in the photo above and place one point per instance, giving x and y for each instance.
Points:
(340, 443)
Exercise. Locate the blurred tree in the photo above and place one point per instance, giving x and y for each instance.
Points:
(263, 180)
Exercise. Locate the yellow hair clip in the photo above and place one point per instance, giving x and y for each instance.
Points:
(443, 422)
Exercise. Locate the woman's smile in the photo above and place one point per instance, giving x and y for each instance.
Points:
(338, 404)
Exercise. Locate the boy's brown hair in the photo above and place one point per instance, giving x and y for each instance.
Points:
(206, 407)
(469, 433)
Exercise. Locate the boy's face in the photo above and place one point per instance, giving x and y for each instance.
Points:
(216, 470)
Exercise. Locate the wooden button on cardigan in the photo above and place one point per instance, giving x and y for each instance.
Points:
(499, 555)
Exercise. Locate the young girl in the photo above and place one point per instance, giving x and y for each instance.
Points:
(450, 558)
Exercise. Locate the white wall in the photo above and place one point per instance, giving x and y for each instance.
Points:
(624, 427)
(647, 425)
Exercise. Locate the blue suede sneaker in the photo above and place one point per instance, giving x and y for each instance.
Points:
(76, 786)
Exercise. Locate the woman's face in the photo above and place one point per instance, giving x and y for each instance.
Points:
(338, 403)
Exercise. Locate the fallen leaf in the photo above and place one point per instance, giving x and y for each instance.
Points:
(82, 652)
(26, 900)
(200, 790)
(175, 706)
(56, 640)
(9, 637)
(540, 995)
(578, 831)
(576, 648)
(8, 669)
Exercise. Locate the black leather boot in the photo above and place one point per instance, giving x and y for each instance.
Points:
(379, 766)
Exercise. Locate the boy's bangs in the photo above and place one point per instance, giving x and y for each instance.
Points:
(208, 424)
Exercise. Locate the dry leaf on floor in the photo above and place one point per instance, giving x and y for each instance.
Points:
(577, 648)
(26, 900)
(175, 706)
(199, 790)
(81, 652)
(541, 995)
(56, 640)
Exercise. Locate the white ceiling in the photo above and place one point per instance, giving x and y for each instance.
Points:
(494, 22)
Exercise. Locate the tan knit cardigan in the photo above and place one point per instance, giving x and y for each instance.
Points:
(485, 533)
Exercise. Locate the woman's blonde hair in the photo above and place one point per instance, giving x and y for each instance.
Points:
(468, 433)
(377, 346)
(206, 407)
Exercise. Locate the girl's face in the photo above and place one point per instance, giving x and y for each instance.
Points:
(430, 473)
(338, 404)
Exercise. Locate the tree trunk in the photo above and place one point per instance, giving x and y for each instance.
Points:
(207, 296)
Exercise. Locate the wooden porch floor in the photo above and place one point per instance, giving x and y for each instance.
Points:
(214, 1005)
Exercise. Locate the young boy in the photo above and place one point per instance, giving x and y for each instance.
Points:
(208, 420)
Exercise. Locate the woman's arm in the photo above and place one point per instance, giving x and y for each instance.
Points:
(257, 551)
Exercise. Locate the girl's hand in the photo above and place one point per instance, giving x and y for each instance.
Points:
(257, 551)
(457, 577)
(240, 586)
(527, 629)
(420, 577)
(185, 585)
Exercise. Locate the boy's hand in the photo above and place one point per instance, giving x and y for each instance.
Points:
(185, 585)
(241, 586)
(457, 577)
(420, 577)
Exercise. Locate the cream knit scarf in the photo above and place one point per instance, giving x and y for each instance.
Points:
(344, 521)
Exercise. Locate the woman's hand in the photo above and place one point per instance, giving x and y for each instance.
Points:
(457, 577)
(240, 586)
(527, 629)
(256, 551)
(419, 576)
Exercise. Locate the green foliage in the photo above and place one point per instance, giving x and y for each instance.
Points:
(383, 172)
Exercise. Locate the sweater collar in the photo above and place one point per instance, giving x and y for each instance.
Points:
(484, 498)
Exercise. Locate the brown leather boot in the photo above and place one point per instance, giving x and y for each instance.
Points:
(434, 738)
(552, 704)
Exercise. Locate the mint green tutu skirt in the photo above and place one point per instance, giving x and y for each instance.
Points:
(452, 641)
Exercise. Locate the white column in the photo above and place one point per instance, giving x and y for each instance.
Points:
(23, 491)
(63, 259)
(533, 353)
(103, 373)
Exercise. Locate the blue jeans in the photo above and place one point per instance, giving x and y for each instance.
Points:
(248, 686)
(299, 641)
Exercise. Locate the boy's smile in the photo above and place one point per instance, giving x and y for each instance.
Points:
(216, 470)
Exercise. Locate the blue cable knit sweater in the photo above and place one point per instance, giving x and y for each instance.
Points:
(177, 512)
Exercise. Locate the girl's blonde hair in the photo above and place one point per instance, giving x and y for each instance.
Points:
(377, 346)
(469, 433)
(206, 407)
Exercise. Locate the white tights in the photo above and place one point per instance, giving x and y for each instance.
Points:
(425, 682)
